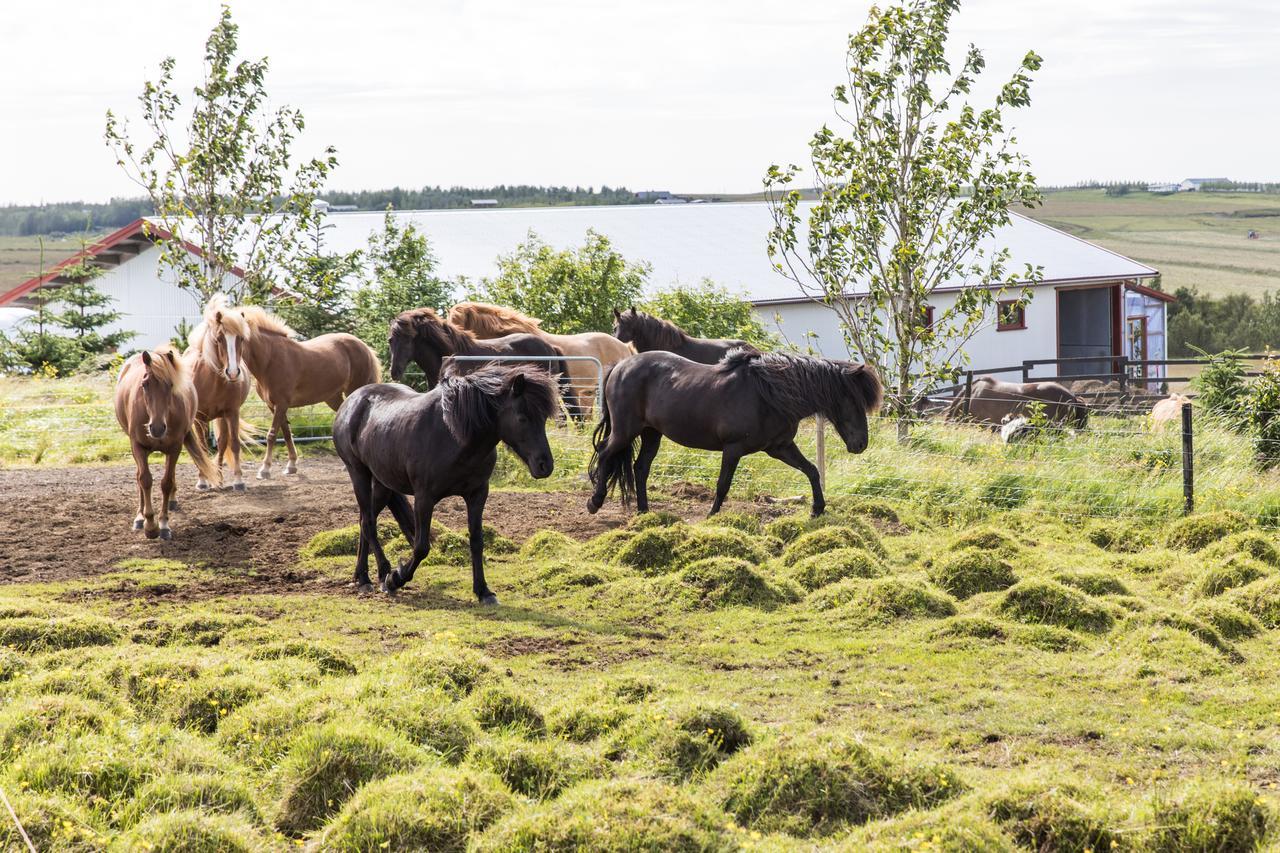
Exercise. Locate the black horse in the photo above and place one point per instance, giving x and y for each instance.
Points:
(749, 402)
(648, 334)
(421, 335)
(396, 442)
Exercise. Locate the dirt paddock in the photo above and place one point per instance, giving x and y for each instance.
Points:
(61, 523)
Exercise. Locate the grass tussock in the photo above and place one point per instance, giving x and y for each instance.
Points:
(884, 600)
(730, 582)
(1046, 602)
(207, 793)
(826, 539)
(541, 769)
(52, 822)
(547, 543)
(1197, 532)
(456, 671)
(191, 832)
(1250, 543)
(503, 709)
(1237, 572)
(652, 551)
(34, 634)
(1261, 599)
(1095, 582)
(988, 538)
(683, 744)
(706, 541)
(820, 570)
(1210, 817)
(1228, 620)
(1119, 537)
(971, 571)
(203, 629)
(1056, 818)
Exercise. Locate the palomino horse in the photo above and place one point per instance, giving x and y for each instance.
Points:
(292, 373)
(396, 442)
(994, 400)
(748, 402)
(648, 334)
(420, 335)
(494, 321)
(156, 406)
(222, 385)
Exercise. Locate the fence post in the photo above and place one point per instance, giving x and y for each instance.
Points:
(1123, 361)
(821, 424)
(1026, 372)
(968, 392)
(1188, 477)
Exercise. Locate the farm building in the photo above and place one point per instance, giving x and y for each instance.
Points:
(1091, 303)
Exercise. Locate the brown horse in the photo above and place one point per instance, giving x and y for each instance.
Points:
(156, 406)
(291, 373)
(212, 360)
(493, 321)
(993, 400)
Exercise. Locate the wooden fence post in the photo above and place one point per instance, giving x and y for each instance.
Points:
(1026, 372)
(821, 424)
(968, 392)
(1188, 476)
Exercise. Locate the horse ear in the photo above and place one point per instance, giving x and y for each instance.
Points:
(217, 316)
(173, 359)
(633, 310)
(146, 357)
(617, 315)
(517, 385)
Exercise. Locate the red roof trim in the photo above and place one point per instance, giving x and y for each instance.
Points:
(1152, 292)
(139, 227)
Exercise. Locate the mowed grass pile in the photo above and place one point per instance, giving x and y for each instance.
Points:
(882, 677)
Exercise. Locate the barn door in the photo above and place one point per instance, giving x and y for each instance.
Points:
(1085, 329)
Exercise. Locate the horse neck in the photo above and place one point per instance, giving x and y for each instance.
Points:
(259, 350)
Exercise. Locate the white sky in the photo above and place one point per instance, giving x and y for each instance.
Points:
(687, 95)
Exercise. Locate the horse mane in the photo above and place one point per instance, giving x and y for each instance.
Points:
(488, 320)
(662, 334)
(470, 402)
(216, 313)
(258, 320)
(441, 334)
(168, 367)
(799, 385)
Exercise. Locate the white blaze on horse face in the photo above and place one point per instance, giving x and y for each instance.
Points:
(233, 364)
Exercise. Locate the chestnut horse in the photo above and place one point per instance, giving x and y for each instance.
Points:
(156, 406)
(222, 385)
(494, 321)
(291, 373)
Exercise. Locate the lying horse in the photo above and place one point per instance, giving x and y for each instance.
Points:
(155, 404)
(747, 403)
(649, 334)
(395, 442)
(993, 401)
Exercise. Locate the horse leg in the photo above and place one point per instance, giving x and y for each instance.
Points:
(380, 496)
(291, 467)
(475, 529)
(728, 465)
(791, 455)
(278, 415)
(362, 485)
(202, 426)
(143, 521)
(423, 506)
(168, 487)
(231, 426)
(650, 440)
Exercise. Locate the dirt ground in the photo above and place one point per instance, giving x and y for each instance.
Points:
(62, 523)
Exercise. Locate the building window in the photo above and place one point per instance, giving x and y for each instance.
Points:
(1010, 315)
(928, 318)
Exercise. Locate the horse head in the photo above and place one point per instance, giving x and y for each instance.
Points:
(625, 325)
(159, 376)
(409, 342)
(224, 328)
(513, 402)
(862, 394)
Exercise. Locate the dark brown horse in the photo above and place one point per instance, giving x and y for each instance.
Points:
(396, 442)
(424, 337)
(747, 403)
(649, 334)
(993, 401)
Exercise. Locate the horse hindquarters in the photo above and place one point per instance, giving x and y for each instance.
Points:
(611, 458)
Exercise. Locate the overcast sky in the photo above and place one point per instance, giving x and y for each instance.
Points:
(687, 95)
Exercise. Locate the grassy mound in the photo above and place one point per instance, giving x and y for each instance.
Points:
(329, 660)
(449, 548)
(260, 733)
(500, 708)
(85, 767)
(34, 634)
(707, 541)
(547, 543)
(433, 809)
(203, 703)
(1048, 638)
(971, 571)
(821, 569)
(569, 574)
(1046, 602)
(581, 723)
(191, 832)
(426, 718)
(1093, 582)
(614, 817)
(52, 823)
(1118, 537)
(1261, 599)
(1055, 819)
(202, 792)
(1229, 621)
(949, 829)
(826, 539)
(1196, 532)
(652, 551)
(326, 764)
(971, 628)
(1250, 543)
(683, 744)
(855, 506)
(750, 524)
(605, 547)
(656, 518)
(633, 688)
(456, 671)
(791, 527)
(1237, 572)
(987, 538)
(818, 786)
(29, 720)
(1211, 816)
(345, 541)
(205, 629)
(540, 770)
(729, 582)
(884, 600)
(1202, 632)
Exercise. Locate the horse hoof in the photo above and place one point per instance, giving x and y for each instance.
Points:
(593, 506)
(202, 486)
(489, 600)
(291, 468)
(173, 506)
(389, 590)
(166, 534)
(238, 486)
(364, 587)
(150, 534)
(137, 524)
(264, 475)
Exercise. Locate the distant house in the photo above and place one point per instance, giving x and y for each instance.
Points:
(1191, 185)
(484, 202)
(671, 199)
(652, 195)
(1164, 189)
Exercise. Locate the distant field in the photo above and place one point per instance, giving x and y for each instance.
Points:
(20, 257)
(1194, 239)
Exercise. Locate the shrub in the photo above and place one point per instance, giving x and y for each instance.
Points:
(1093, 582)
(709, 541)
(202, 792)
(433, 809)
(1051, 603)
(329, 660)
(325, 764)
(539, 770)
(547, 543)
(1250, 543)
(653, 550)
(817, 786)
(1262, 600)
(987, 539)
(191, 832)
(1237, 572)
(822, 569)
(614, 817)
(1054, 819)
(502, 708)
(1118, 537)
(826, 539)
(971, 571)
(655, 518)
(1005, 491)
(1196, 532)
(1210, 818)
(1229, 621)
(454, 670)
(728, 582)
(34, 634)
(1223, 390)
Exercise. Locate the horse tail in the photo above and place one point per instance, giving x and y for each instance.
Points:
(620, 469)
(568, 394)
(198, 449)
(249, 432)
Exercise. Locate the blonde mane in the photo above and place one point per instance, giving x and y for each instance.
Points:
(168, 367)
(259, 320)
(488, 320)
(232, 320)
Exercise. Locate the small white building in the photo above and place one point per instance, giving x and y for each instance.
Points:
(1091, 303)
(1191, 185)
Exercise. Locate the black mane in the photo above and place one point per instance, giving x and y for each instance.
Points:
(657, 333)
(470, 402)
(428, 326)
(800, 385)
